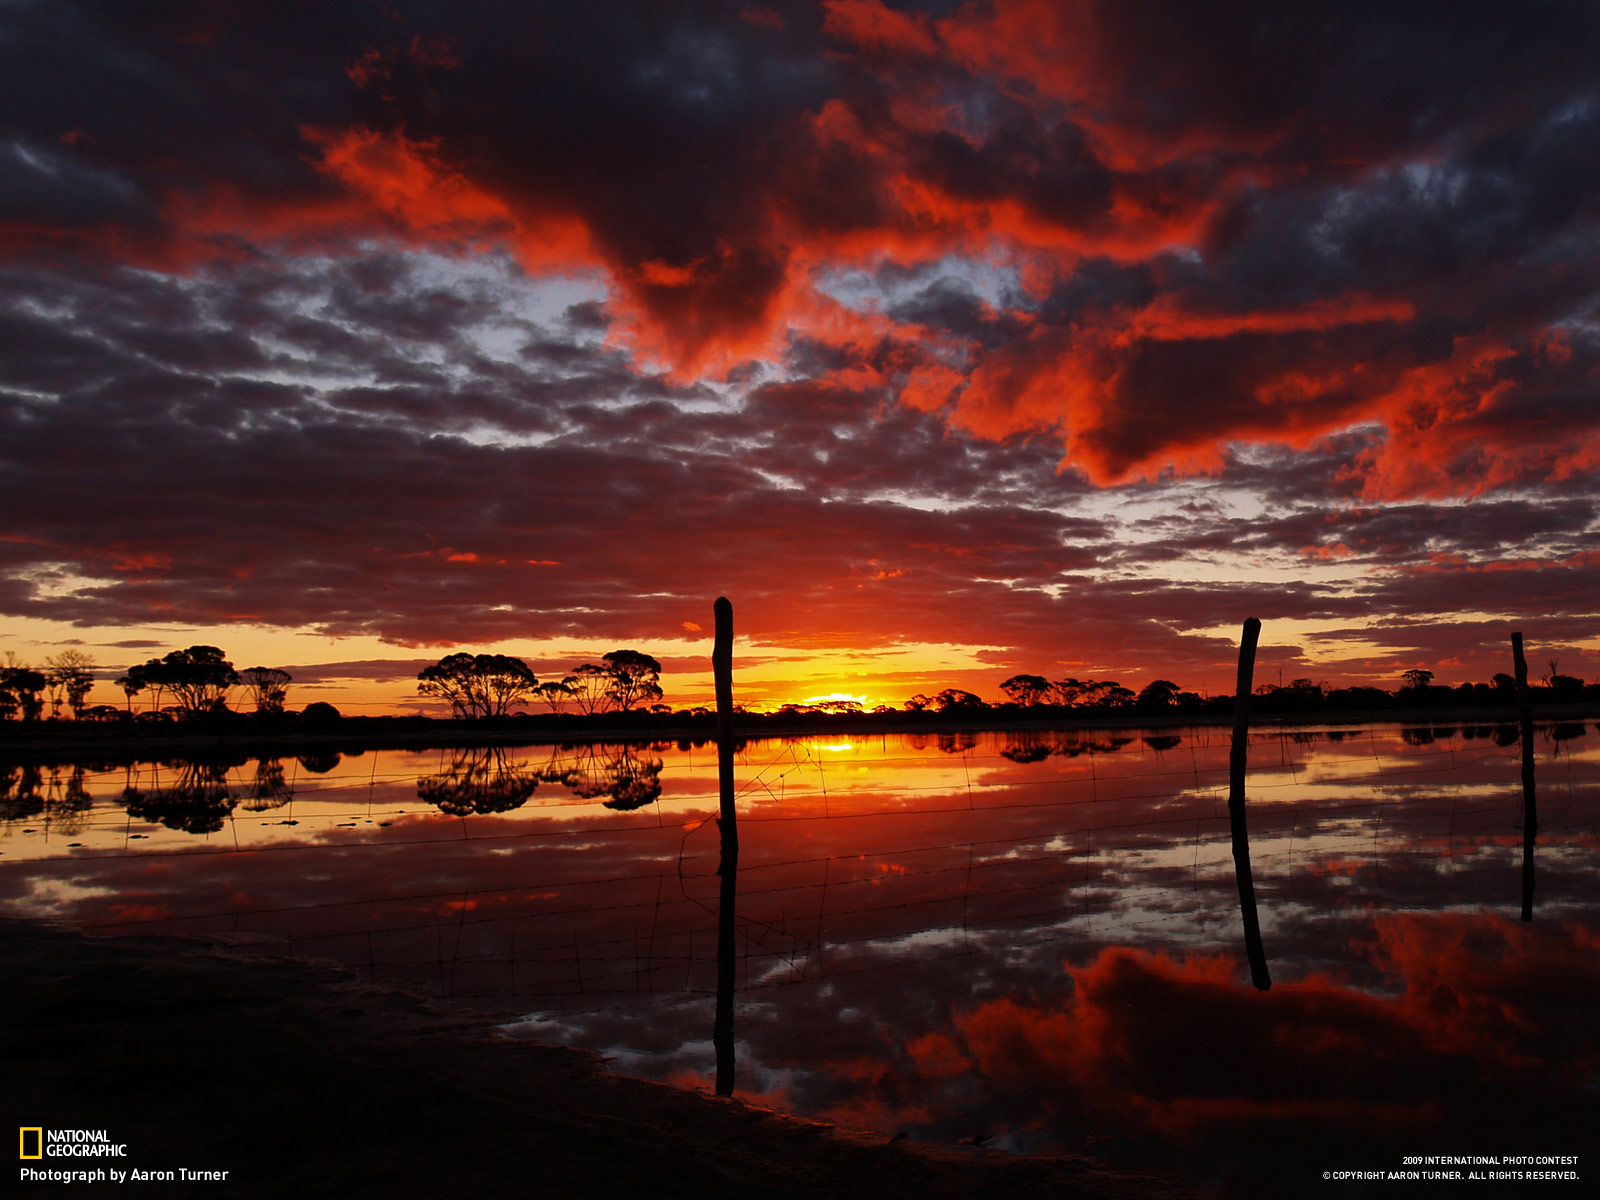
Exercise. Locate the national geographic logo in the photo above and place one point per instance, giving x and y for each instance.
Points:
(38, 1142)
(41, 1143)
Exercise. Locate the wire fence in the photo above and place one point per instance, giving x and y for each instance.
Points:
(979, 846)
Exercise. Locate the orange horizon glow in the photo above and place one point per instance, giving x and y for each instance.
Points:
(764, 680)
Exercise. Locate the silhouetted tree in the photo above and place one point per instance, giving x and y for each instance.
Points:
(268, 687)
(1026, 690)
(554, 693)
(1417, 679)
(1105, 693)
(319, 714)
(137, 679)
(957, 700)
(1067, 692)
(478, 685)
(590, 687)
(1299, 695)
(1565, 686)
(1157, 695)
(23, 690)
(199, 678)
(72, 672)
(635, 678)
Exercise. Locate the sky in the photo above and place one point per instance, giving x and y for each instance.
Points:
(949, 341)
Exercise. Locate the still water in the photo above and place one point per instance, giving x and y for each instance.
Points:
(1030, 938)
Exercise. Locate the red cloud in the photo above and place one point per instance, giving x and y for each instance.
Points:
(404, 181)
(876, 29)
(717, 174)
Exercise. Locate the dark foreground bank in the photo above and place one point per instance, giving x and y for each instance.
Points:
(296, 1081)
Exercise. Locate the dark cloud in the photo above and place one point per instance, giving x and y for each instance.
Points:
(899, 322)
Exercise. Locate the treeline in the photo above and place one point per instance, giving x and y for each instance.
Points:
(1416, 691)
(1037, 697)
(66, 680)
(479, 686)
(200, 682)
(187, 683)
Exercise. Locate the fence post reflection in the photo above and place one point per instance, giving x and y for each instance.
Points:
(1530, 810)
(1237, 757)
(727, 826)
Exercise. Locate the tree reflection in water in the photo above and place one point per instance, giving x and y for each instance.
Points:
(480, 779)
(268, 790)
(26, 792)
(19, 792)
(630, 775)
(1027, 747)
(320, 762)
(485, 779)
(67, 802)
(199, 800)
(1036, 745)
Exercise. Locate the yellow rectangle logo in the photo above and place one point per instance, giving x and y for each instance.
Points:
(38, 1141)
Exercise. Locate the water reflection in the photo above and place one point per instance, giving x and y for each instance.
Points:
(19, 792)
(1176, 1057)
(269, 789)
(194, 798)
(1031, 936)
(319, 762)
(727, 952)
(629, 775)
(58, 794)
(479, 780)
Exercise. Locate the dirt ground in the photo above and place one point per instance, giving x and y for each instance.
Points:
(300, 1082)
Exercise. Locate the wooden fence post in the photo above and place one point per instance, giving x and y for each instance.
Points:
(728, 828)
(1237, 757)
(1530, 810)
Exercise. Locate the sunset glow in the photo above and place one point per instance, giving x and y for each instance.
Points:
(949, 341)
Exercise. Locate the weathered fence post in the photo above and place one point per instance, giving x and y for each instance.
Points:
(1530, 811)
(728, 828)
(1241, 839)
